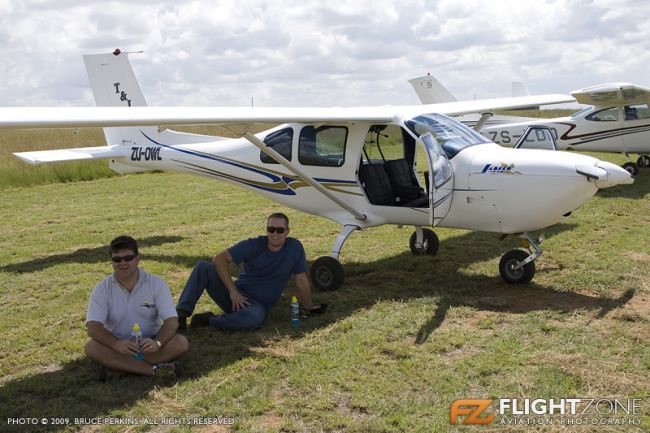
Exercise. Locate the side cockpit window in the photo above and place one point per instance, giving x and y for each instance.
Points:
(606, 115)
(322, 146)
(637, 111)
(280, 141)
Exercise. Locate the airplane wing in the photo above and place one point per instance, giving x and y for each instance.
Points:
(74, 117)
(612, 94)
(488, 105)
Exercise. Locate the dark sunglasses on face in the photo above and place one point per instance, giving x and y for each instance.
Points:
(278, 230)
(119, 259)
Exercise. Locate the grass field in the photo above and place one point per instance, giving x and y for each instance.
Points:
(404, 337)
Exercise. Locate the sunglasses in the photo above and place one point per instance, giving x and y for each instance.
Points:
(119, 259)
(278, 230)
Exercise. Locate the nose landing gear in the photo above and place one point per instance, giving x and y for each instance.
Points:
(517, 266)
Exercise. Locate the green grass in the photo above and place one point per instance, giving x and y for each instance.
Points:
(404, 337)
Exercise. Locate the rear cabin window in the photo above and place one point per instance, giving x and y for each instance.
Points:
(607, 115)
(280, 141)
(323, 146)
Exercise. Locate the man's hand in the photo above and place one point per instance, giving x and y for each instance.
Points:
(239, 301)
(125, 347)
(149, 346)
(316, 310)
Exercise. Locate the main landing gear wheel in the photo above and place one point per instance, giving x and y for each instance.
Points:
(430, 243)
(643, 161)
(509, 261)
(326, 273)
(631, 168)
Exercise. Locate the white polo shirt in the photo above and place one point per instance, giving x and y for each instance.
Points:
(149, 303)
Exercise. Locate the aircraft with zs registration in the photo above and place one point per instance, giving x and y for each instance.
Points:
(617, 121)
(355, 166)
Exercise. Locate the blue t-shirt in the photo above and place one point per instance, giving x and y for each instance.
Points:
(264, 273)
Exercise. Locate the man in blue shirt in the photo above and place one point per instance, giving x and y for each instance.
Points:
(267, 264)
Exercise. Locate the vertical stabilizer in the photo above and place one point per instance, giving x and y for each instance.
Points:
(430, 91)
(519, 89)
(114, 84)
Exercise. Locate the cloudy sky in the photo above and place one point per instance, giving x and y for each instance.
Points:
(322, 53)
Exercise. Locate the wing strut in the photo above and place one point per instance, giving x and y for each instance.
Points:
(302, 175)
(482, 121)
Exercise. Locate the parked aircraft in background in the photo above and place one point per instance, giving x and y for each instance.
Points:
(355, 166)
(618, 121)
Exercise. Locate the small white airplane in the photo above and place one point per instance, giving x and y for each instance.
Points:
(355, 166)
(618, 121)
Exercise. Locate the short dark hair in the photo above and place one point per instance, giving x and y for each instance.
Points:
(278, 215)
(123, 243)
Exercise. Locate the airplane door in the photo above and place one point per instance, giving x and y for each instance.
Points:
(441, 179)
(537, 137)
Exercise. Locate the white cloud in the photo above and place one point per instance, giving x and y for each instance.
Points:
(320, 53)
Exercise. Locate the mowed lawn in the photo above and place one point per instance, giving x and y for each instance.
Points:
(403, 338)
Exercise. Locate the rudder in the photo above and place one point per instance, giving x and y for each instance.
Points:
(114, 84)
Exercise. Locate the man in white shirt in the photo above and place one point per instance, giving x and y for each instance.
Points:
(127, 297)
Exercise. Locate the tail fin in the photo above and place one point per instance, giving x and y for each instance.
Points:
(430, 91)
(519, 88)
(114, 84)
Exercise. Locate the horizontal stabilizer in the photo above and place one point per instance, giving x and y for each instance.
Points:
(74, 154)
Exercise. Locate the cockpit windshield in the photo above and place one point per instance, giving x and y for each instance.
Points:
(452, 135)
(581, 111)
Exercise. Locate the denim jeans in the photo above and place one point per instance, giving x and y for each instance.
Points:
(204, 277)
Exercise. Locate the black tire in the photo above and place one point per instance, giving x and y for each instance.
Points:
(430, 243)
(631, 167)
(520, 276)
(326, 273)
(643, 161)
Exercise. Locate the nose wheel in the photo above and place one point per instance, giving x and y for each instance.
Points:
(518, 266)
(512, 272)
